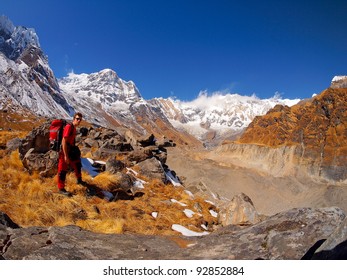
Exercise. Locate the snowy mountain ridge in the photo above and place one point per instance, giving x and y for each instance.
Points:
(104, 98)
(219, 112)
(25, 75)
(107, 100)
(104, 87)
(15, 39)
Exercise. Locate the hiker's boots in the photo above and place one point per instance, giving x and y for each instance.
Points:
(65, 192)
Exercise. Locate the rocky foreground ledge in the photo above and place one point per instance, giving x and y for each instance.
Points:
(300, 233)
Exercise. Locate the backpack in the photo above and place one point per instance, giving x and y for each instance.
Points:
(56, 134)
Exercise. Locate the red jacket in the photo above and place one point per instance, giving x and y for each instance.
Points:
(70, 134)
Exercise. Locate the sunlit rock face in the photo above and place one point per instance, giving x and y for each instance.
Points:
(310, 137)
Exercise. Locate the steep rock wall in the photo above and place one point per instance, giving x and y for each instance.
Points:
(309, 138)
(293, 160)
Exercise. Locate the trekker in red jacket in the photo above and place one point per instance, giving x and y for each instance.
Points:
(69, 155)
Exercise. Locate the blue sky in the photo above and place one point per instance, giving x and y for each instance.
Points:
(179, 48)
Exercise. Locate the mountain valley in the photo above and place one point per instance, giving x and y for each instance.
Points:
(286, 157)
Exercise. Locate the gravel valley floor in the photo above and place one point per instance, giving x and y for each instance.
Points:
(270, 195)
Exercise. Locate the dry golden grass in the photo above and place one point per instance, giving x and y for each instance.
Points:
(31, 200)
(17, 119)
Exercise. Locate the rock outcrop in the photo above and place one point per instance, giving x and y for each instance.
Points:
(239, 211)
(102, 144)
(287, 235)
(339, 82)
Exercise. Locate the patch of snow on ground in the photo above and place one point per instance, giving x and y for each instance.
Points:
(87, 167)
(189, 193)
(204, 227)
(209, 201)
(214, 213)
(131, 171)
(189, 213)
(107, 195)
(176, 201)
(187, 232)
(139, 184)
(173, 179)
(215, 196)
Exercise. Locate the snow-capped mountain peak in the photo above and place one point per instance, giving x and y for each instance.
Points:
(339, 78)
(339, 82)
(104, 86)
(15, 39)
(221, 113)
(107, 100)
(25, 76)
(102, 96)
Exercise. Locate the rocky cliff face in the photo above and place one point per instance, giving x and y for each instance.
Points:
(310, 137)
(14, 40)
(25, 76)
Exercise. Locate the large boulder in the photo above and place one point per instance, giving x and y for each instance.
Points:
(153, 169)
(35, 153)
(239, 211)
(147, 140)
(37, 141)
(285, 236)
(44, 163)
(113, 166)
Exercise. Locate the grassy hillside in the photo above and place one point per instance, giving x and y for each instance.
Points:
(31, 200)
